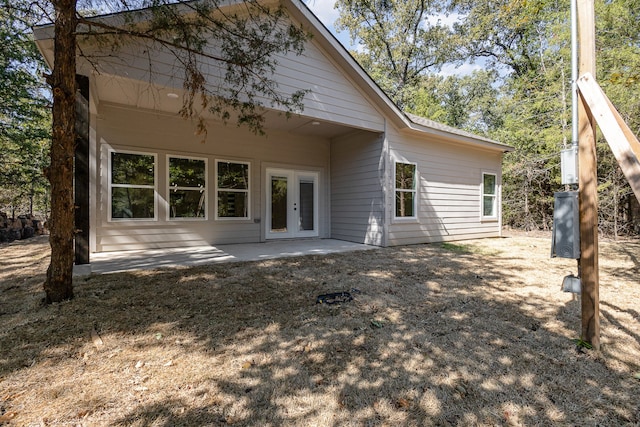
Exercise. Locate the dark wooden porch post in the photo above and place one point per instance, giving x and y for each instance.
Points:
(81, 172)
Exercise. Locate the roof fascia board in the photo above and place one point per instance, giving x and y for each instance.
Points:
(424, 125)
(460, 139)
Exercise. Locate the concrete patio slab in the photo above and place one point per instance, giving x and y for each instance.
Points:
(112, 262)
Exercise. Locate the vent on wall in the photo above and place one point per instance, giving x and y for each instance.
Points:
(565, 239)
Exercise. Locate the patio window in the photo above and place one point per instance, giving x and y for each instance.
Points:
(132, 185)
(405, 190)
(489, 196)
(187, 188)
(232, 190)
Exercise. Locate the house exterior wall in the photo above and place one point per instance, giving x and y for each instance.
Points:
(138, 117)
(131, 112)
(357, 177)
(332, 96)
(352, 183)
(449, 196)
(125, 129)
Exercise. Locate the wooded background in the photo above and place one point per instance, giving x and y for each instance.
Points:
(520, 94)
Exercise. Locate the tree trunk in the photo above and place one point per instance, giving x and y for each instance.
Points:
(58, 285)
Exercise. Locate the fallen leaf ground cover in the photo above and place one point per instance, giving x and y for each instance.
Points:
(467, 333)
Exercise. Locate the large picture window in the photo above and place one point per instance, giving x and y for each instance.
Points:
(232, 190)
(405, 190)
(489, 195)
(133, 185)
(187, 188)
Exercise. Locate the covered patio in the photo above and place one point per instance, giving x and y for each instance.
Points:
(113, 262)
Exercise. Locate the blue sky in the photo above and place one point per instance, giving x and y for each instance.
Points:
(327, 14)
(325, 11)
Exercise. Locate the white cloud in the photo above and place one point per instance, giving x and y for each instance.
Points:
(327, 14)
(460, 70)
(360, 48)
(324, 10)
(445, 20)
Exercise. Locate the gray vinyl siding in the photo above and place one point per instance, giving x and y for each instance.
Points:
(331, 96)
(449, 190)
(131, 111)
(131, 115)
(357, 207)
(128, 129)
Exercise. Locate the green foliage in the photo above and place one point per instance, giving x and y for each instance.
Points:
(402, 40)
(522, 97)
(511, 33)
(187, 195)
(185, 172)
(531, 39)
(467, 102)
(618, 72)
(580, 344)
(24, 118)
(244, 41)
(132, 169)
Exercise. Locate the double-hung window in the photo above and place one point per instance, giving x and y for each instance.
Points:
(489, 196)
(132, 185)
(187, 188)
(232, 190)
(405, 190)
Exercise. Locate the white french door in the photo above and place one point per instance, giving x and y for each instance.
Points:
(292, 204)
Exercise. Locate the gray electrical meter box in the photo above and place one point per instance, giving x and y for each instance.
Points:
(569, 166)
(565, 239)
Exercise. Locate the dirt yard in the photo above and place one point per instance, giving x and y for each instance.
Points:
(473, 333)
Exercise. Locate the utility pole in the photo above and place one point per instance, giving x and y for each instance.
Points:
(588, 184)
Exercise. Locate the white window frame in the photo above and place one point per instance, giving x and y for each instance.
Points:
(496, 200)
(247, 191)
(170, 188)
(414, 191)
(112, 185)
